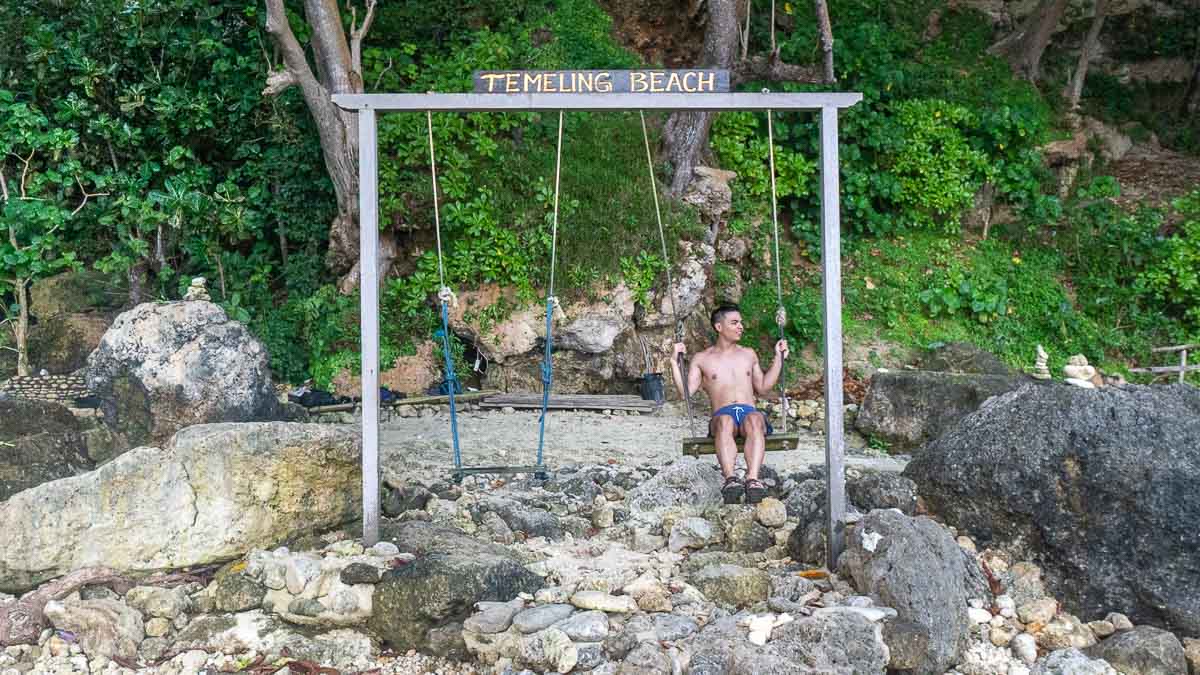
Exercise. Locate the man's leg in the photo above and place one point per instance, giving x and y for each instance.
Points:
(722, 431)
(755, 430)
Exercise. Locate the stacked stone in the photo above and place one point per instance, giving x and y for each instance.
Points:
(55, 388)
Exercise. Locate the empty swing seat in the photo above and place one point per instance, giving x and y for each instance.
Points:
(705, 445)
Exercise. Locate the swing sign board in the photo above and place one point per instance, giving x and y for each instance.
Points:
(601, 81)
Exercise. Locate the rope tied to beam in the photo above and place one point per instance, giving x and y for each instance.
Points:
(551, 300)
(780, 312)
(447, 298)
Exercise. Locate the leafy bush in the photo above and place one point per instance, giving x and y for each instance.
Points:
(1174, 276)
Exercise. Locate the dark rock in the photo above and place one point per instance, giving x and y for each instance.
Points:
(360, 573)
(536, 618)
(964, 358)
(914, 566)
(687, 482)
(306, 607)
(807, 544)
(533, 521)
(62, 345)
(1145, 650)
(39, 442)
(908, 408)
(451, 573)
(447, 642)
(841, 642)
(406, 497)
(233, 591)
(580, 486)
(618, 645)
(883, 490)
(807, 501)
(591, 655)
(908, 643)
(746, 535)
(1097, 486)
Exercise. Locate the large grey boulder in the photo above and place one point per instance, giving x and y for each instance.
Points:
(452, 571)
(212, 494)
(914, 566)
(1096, 486)
(1145, 650)
(842, 643)
(909, 407)
(39, 442)
(687, 483)
(164, 366)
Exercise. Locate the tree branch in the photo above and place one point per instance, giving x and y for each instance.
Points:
(329, 43)
(279, 81)
(293, 53)
(357, 35)
(86, 194)
(772, 68)
(3, 184)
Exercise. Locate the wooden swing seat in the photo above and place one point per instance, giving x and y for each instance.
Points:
(705, 445)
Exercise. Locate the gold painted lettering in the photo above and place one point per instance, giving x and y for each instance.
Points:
(533, 82)
(656, 82)
(692, 76)
(637, 82)
(586, 82)
(604, 82)
(550, 82)
(708, 82)
(673, 82)
(491, 78)
(512, 83)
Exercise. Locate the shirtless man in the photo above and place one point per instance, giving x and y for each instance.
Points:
(732, 377)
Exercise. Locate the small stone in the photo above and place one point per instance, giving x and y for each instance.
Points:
(1038, 611)
(692, 532)
(603, 517)
(654, 601)
(1102, 629)
(552, 595)
(384, 549)
(156, 601)
(157, 627)
(536, 618)
(966, 544)
(1119, 621)
(1025, 647)
(1191, 652)
(1006, 605)
(493, 617)
(589, 626)
(619, 604)
(771, 512)
(979, 615)
(345, 548)
(1002, 634)
(360, 573)
(310, 607)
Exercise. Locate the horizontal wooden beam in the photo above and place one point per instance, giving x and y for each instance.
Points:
(1165, 369)
(1176, 348)
(611, 101)
(703, 445)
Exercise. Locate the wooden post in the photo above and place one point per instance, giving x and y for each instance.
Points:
(368, 270)
(1182, 364)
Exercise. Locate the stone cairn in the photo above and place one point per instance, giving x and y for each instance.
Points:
(198, 290)
(1040, 370)
(55, 388)
(1079, 373)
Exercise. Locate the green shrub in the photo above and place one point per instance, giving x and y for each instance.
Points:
(1174, 275)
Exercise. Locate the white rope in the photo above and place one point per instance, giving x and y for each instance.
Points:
(554, 230)
(780, 313)
(662, 237)
(437, 221)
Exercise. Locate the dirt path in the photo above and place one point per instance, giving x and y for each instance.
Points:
(491, 438)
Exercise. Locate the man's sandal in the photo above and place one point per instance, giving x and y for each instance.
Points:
(755, 491)
(732, 491)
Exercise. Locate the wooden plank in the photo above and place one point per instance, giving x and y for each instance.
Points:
(703, 445)
(577, 401)
(1176, 348)
(1165, 369)
(433, 400)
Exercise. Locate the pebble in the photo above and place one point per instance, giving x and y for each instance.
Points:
(1039, 611)
(1006, 605)
(384, 549)
(979, 615)
(1102, 629)
(493, 617)
(1119, 621)
(620, 604)
(771, 512)
(591, 626)
(536, 618)
(1025, 647)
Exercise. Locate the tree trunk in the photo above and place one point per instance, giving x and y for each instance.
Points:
(825, 29)
(21, 329)
(686, 132)
(1191, 100)
(137, 283)
(339, 65)
(1075, 88)
(1024, 47)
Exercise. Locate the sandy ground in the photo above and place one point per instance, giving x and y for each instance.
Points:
(494, 438)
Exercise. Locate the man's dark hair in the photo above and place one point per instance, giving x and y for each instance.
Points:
(718, 314)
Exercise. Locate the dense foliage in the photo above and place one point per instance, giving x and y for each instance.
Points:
(159, 105)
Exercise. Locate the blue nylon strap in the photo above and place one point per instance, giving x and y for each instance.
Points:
(547, 376)
(451, 382)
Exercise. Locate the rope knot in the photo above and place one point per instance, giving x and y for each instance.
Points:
(448, 297)
(547, 372)
(781, 317)
(554, 308)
